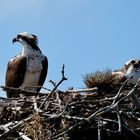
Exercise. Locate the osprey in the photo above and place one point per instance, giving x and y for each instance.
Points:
(132, 69)
(28, 69)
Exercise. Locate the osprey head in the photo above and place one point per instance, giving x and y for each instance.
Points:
(132, 70)
(27, 39)
(133, 64)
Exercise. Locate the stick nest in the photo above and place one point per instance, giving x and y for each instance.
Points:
(82, 114)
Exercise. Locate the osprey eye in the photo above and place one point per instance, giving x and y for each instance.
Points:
(19, 36)
(133, 61)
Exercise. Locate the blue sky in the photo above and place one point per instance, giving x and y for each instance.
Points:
(85, 35)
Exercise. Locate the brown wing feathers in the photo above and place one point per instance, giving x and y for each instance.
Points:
(43, 72)
(15, 74)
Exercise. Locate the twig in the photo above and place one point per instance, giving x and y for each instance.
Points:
(83, 90)
(119, 121)
(116, 97)
(109, 120)
(134, 133)
(74, 117)
(23, 136)
(69, 129)
(52, 82)
(58, 100)
(63, 79)
(132, 130)
(22, 91)
(37, 87)
(99, 129)
(135, 101)
(14, 126)
(35, 105)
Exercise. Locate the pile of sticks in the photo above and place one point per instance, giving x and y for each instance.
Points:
(82, 114)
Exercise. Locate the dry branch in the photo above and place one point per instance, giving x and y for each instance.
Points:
(56, 86)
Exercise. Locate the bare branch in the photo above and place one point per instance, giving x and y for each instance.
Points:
(95, 89)
(63, 79)
(22, 91)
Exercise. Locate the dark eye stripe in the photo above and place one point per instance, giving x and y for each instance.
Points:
(32, 43)
(133, 61)
(19, 36)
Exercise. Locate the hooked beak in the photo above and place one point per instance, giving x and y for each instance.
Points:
(14, 40)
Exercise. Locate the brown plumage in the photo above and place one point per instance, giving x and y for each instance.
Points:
(29, 68)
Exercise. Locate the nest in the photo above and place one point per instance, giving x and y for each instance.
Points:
(82, 114)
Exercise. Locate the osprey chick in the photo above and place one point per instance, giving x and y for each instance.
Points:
(132, 69)
(28, 69)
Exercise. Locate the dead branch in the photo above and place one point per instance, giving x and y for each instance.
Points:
(12, 126)
(63, 79)
(95, 89)
(23, 136)
(22, 91)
